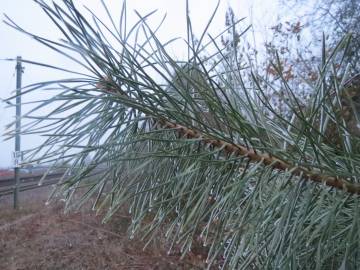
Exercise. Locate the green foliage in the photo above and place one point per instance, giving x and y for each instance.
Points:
(138, 113)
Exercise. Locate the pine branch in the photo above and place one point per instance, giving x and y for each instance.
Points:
(107, 85)
(195, 150)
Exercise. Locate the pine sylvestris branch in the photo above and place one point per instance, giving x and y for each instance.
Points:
(196, 156)
(253, 155)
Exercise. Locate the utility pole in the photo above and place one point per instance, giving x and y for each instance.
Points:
(17, 153)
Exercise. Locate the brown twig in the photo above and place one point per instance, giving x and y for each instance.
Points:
(254, 156)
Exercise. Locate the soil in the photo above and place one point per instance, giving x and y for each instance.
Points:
(39, 237)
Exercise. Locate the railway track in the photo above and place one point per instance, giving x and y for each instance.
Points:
(27, 182)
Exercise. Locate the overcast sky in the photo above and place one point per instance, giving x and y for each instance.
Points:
(27, 14)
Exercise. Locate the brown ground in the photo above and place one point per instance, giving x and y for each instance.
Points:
(43, 237)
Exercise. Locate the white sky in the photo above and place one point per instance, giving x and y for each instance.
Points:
(27, 14)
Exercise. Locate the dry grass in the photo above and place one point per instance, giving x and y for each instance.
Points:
(43, 237)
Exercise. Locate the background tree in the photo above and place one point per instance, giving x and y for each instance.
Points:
(298, 37)
(340, 17)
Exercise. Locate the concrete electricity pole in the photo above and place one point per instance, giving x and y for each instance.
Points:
(17, 154)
